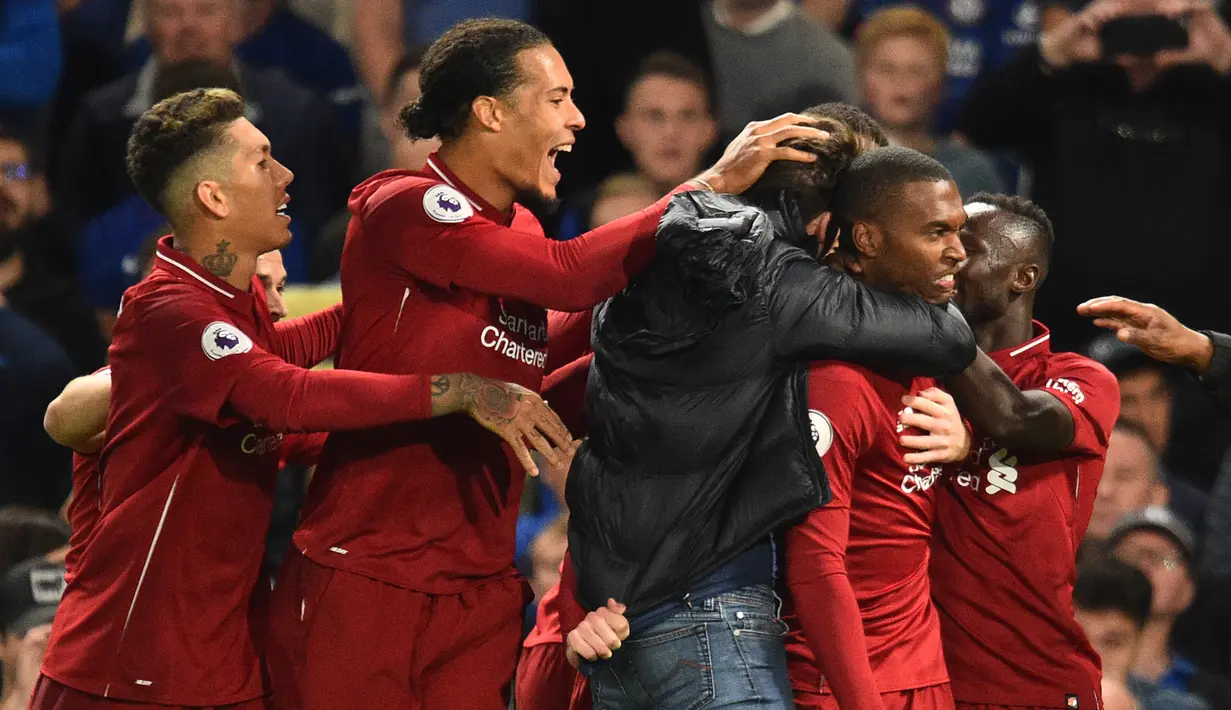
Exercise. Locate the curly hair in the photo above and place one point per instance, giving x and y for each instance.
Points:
(175, 132)
(474, 58)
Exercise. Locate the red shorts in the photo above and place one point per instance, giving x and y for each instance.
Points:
(933, 697)
(546, 681)
(51, 695)
(341, 640)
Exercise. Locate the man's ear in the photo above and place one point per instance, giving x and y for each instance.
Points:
(210, 195)
(866, 239)
(1026, 279)
(490, 112)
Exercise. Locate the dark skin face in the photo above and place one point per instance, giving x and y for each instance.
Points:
(1001, 266)
(916, 248)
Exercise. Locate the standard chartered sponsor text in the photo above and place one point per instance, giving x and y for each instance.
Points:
(498, 340)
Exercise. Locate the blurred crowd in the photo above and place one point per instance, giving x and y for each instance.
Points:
(1130, 158)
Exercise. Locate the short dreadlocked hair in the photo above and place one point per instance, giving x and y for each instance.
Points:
(474, 58)
(1029, 215)
(175, 136)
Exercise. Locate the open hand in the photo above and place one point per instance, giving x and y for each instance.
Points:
(519, 416)
(1156, 332)
(599, 634)
(758, 145)
(934, 411)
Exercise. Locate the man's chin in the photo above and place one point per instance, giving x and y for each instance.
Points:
(537, 201)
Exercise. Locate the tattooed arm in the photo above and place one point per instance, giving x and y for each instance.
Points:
(512, 412)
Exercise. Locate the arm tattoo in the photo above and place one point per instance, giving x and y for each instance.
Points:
(440, 385)
(221, 262)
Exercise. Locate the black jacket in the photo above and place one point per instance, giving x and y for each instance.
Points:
(696, 406)
(1218, 378)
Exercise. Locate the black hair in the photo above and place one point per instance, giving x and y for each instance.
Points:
(192, 74)
(1042, 236)
(809, 185)
(1107, 584)
(408, 62)
(173, 132)
(674, 66)
(855, 118)
(473, 58)
(873, 184)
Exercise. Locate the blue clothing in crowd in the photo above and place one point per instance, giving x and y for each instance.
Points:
(30, 40)
(428, 19)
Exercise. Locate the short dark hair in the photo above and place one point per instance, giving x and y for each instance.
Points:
(410, 61)
(675, 66)
(473, 58)
(1107, 584)
(1029, 214)
(192, 74)
(809, 185)
(175, 131)
(28, 532)
(873, 184)
(854, 117)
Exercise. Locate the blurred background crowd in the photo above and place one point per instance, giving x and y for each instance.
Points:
(1131, 159)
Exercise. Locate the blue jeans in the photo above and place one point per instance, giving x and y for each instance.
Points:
(724, 652)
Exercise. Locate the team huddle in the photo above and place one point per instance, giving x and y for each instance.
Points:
(816, 451)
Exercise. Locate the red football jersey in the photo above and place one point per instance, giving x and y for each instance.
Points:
(1004, 551)
(854, 415)
(436, 280)
(158, 607)
(84, 503)
(157, 610)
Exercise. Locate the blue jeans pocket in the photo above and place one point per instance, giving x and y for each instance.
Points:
(673, 667)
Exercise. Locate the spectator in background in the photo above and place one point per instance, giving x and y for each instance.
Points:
(901, 53)
(667, 126)
(38, 260)
(1148, 394)
(1111, 142)
(29, 595)
(30, 55)
(116, 252)
(29, 532)
(984, 34)
(34, 470)
(92, 177)
(1157, 542)
(274, 37)
(1130, 480)
(1112, 600)
(386, 29)
(619, 196)
(770, 58)
(546, 553)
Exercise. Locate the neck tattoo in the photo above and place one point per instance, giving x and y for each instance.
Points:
(221, 262)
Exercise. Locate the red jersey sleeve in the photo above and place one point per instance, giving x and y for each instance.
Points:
(311, 339)
(565, 391)
(568, 337)
(840, 403)
(216, 374)
(1092, 395)
(483, 256)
